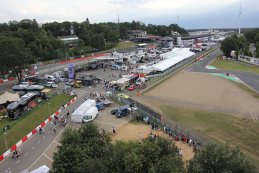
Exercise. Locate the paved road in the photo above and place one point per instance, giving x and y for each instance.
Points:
(251, 79)
(38, 150)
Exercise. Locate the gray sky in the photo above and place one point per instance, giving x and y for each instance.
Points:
(192, 13)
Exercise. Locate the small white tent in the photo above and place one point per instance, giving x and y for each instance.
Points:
(42, 169)
(78, 114)
(9, 97)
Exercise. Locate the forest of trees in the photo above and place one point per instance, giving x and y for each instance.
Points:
(241, 44)
(44, 44)
(39, 42)
(88, 150)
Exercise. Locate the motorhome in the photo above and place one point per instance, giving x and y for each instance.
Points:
(16, 109)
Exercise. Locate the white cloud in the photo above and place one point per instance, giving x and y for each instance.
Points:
(106, 10)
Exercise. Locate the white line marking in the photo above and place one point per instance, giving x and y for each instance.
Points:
(32, 148)
(48, 146)
(47, 157)
(26, 154)
(18, 161)
(106, 123)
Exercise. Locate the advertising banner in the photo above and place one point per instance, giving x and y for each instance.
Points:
(71, 71)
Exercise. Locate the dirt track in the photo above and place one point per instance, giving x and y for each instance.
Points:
(133, 130)
(205, 92)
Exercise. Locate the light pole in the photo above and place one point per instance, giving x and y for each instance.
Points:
(5, 141)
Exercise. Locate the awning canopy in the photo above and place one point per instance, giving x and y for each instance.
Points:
(46, 90)
(9, 97)
(172, 58)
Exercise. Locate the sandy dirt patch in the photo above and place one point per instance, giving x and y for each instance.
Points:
(205, 92)
(132, 131)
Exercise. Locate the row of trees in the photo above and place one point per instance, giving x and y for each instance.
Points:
(242, 44)
(87, 150)
(45, 45)
(33, 42)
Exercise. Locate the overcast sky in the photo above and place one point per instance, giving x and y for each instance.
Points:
(191, 13)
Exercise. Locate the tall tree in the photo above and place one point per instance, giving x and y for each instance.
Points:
(220, 159)
(87, 150)
(14, 55)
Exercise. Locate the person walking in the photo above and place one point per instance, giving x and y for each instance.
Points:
(54, 130)
(181, 152)
(41, 131)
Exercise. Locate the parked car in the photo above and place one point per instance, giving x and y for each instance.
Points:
(123, 111)
(132, 87)
(123, 96)
(115, 67)
(51, 85)
(100, 106)
(115, 110)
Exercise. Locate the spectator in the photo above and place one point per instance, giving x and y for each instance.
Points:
(180, 152)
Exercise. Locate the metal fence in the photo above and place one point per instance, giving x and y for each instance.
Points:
(173, 129)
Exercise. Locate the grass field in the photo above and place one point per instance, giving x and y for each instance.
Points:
(24, 125)
(123, 45)
(232, 65)
(120, 45)
(221, 128)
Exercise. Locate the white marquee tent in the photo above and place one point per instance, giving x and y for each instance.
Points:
(8, 97)
(171, 58)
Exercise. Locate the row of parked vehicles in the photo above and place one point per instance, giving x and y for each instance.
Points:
(122, 111)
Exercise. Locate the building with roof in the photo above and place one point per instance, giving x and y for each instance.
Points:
(132, 34)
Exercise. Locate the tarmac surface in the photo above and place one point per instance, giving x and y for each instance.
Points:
(39, 149)
(250, 79)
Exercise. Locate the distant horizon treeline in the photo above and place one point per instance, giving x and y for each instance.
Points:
(44, 44)
(242, 43)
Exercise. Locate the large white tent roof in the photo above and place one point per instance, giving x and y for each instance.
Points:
(9, 97)
(84, 107)
(173, 57)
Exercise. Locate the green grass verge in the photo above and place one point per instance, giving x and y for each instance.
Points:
(120, 45)
(126, 44)
(24, 125)
(231, 65)
(218, 127)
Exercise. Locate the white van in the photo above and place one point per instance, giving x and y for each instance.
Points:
(90, 114)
